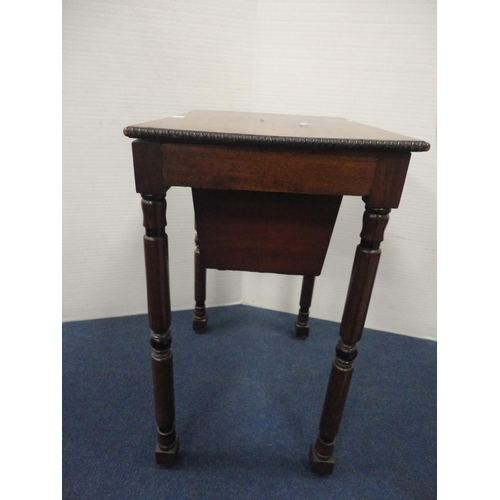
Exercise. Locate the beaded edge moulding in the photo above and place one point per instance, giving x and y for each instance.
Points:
(231, 139)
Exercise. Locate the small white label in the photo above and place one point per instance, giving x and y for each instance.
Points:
(177, 116)
(303, 124)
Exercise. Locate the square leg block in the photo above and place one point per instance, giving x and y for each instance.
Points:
(167, 458)
(301, 330)
(319, 465)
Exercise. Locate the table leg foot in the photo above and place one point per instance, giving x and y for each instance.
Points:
(302, 329)
(321, 465)
(167, 458)
(200, 320)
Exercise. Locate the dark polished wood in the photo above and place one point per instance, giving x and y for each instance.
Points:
(264, 232)
(156, 258)
(232, 128)
(302, 324)
(266, 192)
(269, 170)
(148, 167)
(351, 328)
(200, 292)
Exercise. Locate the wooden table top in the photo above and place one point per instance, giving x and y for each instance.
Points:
(258, 129)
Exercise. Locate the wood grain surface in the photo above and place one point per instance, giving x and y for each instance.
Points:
(233, 128)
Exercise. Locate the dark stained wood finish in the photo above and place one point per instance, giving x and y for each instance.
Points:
(159, 315)
(148, 167)
(264, 129)
(156, 258)
(264, 232)
(351, 328)
(200, 292)
(266, 191)
(302, 324)
(389, 180)
(250, 169)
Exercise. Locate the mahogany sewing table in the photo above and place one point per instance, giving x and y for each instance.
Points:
(266, 192)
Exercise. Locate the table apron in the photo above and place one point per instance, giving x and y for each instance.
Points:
(252, 169)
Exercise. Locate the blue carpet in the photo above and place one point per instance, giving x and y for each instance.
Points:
(248, 402)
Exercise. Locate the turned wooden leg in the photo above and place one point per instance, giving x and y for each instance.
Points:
(302, 324)
(351, 328)
(156, 257)
(200, 292)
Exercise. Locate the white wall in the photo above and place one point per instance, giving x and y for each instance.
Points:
(125, 62)
(375, 63)
(128, 62)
